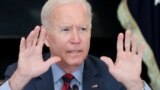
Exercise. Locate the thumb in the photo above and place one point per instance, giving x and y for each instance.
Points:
(108, 61)
(53, 60)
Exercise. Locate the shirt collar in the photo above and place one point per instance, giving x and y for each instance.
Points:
(58, 73)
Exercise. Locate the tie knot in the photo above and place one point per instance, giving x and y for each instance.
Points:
(67, 78)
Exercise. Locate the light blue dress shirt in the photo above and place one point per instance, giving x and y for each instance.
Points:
(58, 73)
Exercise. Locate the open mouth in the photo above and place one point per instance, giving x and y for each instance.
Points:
(74, 51)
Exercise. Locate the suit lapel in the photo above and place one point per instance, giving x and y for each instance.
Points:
(45, 81)
(91, 78)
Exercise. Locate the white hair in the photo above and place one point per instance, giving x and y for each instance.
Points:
(51, 4)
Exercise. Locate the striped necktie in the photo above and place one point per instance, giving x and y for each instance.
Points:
(66, 81)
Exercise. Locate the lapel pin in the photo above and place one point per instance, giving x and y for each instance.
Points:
(95, 86)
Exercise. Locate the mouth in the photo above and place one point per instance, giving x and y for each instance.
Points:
(74, 52)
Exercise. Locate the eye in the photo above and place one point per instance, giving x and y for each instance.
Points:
(83, 29)
(65, 29)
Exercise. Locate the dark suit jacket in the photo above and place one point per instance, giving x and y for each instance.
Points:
(95, 77)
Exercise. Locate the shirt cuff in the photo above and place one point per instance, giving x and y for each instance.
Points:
(146, 86)
(5, 86)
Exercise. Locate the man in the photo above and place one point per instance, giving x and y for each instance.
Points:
(66, 30)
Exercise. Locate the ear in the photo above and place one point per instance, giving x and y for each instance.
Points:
(46, 40)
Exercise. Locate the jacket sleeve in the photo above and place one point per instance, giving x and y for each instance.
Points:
(9, 71)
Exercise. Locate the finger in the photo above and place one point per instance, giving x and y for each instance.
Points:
(120, 42)
(22, 45)
(127, 40)
(41, 38)
(52, 60)
(108, 61)
(134, 44)
(36, 30)
(29, 39)
(141, 50)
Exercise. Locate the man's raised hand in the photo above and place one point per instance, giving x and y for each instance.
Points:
(30, 62)
(127, 67)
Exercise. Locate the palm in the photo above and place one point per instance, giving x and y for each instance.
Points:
(127, 67)
(30, 61)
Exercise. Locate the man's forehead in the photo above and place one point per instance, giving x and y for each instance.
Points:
(68, 12)
(67, 15)
(71, 6)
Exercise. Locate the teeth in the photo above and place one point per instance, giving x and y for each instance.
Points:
(74, 51)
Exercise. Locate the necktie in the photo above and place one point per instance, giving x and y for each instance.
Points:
(66, 81)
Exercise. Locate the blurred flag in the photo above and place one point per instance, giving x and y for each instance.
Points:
(157, 2)
(147, 15)
(142, 17)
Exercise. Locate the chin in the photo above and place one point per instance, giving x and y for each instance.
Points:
(75, 62)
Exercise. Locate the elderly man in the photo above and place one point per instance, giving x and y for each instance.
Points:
(66, 30)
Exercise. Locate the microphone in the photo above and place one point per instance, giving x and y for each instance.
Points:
(75, 87)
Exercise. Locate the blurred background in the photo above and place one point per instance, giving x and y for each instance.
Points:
(19, 17)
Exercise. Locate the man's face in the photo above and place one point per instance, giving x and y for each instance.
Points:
(69, 36)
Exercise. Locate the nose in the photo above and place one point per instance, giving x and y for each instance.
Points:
(75, 37)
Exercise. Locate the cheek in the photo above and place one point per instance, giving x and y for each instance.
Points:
(57, 43)
(53, 39)
(55, 48)
(86, 42)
